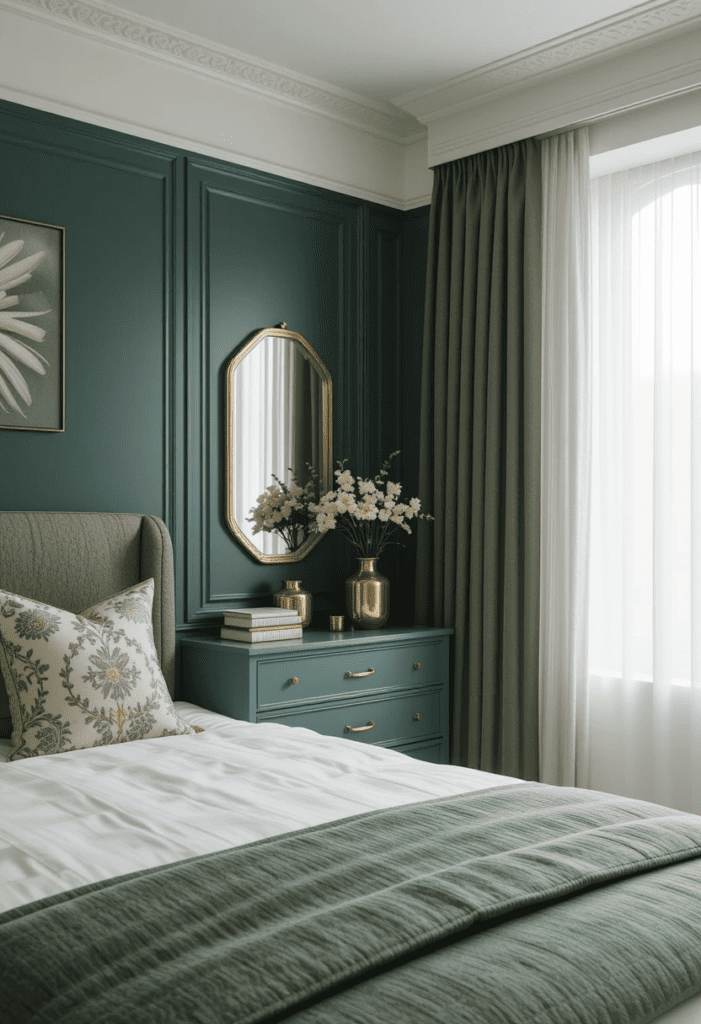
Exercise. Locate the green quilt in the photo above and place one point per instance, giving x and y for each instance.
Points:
(525, 904)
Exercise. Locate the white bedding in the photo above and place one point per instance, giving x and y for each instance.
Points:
(69, 819)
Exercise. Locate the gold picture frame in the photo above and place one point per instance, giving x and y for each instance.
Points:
(32, 325)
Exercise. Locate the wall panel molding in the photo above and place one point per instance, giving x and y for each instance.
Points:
(383, 380)
(57, 180)
(146, 350)
(219, 193)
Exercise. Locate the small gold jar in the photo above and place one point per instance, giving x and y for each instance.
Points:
(292, 596)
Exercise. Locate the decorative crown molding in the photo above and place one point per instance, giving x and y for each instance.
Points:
(603, 39)
(403, 120)
(98, 18)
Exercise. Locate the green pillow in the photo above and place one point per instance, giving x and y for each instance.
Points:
(76, 681)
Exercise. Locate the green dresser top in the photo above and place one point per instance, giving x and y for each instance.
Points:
(321, 639)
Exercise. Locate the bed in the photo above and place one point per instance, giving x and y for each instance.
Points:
(261, 872)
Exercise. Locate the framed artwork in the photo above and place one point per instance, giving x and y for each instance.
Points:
(32, 357)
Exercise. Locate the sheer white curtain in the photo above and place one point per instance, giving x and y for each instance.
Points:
(565, 460)
(644, 700)
(264, 427)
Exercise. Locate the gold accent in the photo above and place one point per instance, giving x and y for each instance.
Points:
(325, 469)
(121, 716)
(359, 728)
(38, 623)
(113, 674)
(367, 596)
(294, 680)
(417, 716)
(336, 623)
(417, 664)
(292, 596)
(359, 675)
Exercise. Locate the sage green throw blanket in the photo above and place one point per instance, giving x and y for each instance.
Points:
(526, 904)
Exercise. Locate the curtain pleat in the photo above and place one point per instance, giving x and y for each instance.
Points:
(478, 563)
(565, 461)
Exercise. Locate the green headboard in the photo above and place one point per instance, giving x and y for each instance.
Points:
(75, 559)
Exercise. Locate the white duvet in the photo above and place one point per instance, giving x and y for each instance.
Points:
(70, 819)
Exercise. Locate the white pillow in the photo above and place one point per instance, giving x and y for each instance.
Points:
(77, 681)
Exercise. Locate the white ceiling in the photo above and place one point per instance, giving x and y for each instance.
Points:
(380, 49)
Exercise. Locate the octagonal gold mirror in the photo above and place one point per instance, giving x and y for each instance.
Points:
(278, 435)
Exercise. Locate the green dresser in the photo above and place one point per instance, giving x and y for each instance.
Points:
(385, 686)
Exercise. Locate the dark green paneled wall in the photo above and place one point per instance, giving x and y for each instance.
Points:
(413, 287)
(117, 206)
(171, 261)
(263, 250)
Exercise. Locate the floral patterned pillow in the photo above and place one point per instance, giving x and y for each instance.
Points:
(77, 681)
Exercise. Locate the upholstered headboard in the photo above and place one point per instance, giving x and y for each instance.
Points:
(72, 560)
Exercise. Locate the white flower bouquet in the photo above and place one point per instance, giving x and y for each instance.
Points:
(284, 509)
(368, 512)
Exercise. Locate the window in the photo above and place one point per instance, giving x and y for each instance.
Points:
(645, 556)
(646, 420)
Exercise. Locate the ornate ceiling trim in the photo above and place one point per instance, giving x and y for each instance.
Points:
(98, 18)
(399, 122)
(606, 38)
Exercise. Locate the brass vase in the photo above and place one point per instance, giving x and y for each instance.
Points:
(292, 596)
(367, 596)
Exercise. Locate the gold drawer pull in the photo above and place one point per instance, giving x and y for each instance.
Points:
(294, 680)
(417, 664)
(417, 716)
(359, 728)
(359, 675)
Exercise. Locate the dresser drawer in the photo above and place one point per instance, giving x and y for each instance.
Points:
(403, 719)
(435, 751)
(334, 687)
(351, 671)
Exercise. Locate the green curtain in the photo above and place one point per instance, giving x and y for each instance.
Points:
(478, 563)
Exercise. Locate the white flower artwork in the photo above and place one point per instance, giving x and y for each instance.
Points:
(14, 352)
(32, 267)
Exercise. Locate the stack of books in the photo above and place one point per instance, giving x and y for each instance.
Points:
(255, 625)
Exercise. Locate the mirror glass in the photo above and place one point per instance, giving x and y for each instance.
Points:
(278, 425)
